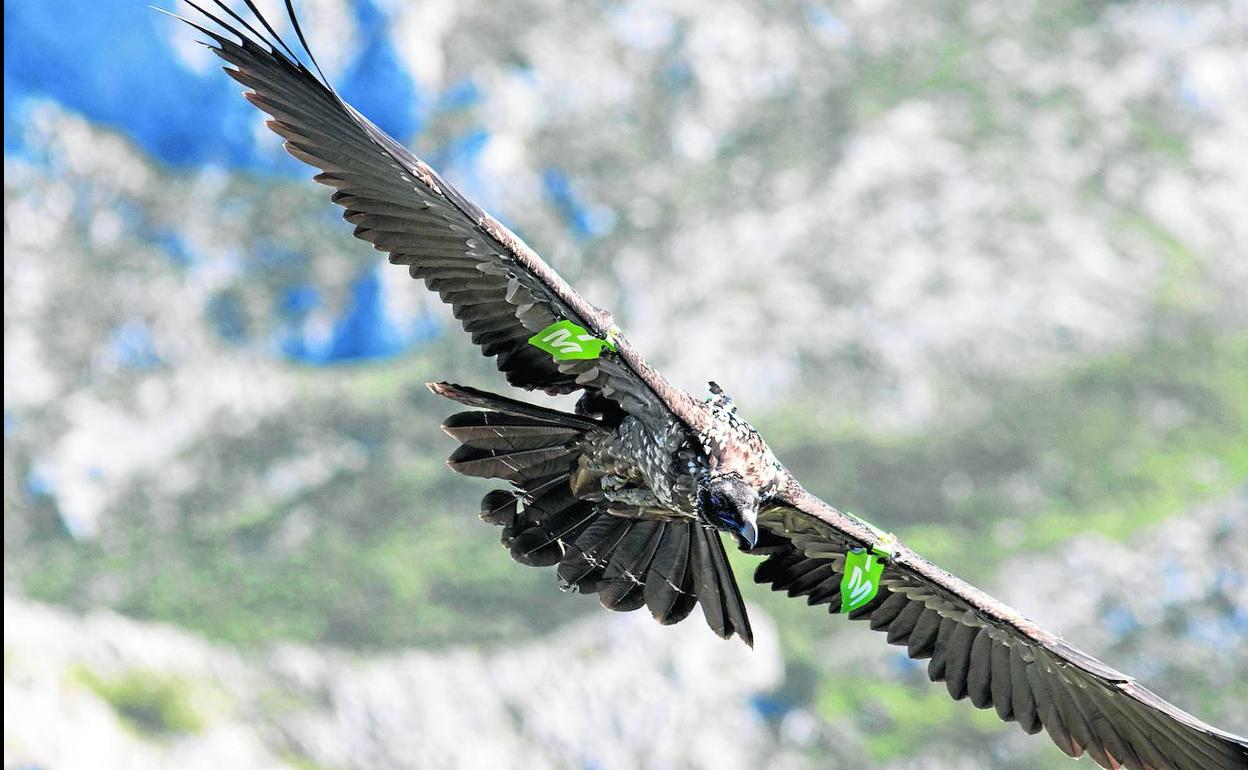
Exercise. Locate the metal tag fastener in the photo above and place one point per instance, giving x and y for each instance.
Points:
(566, 341)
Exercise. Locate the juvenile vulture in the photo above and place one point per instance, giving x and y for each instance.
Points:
(627, 496)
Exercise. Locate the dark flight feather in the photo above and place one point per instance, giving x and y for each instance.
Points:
(706, 583)
(940, 650)
(585, 561)
(812, 578)
(899, 630)
(499, 507)
(923, 637)
(958, 659)
(738, 620)
(979, 670)
(491, 430)
(1001, 688)
(669, 592)
(1046, 707)
(1023, 702)
(883, 616)
(623, 588)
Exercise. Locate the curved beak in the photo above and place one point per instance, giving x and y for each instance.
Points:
(749, 531)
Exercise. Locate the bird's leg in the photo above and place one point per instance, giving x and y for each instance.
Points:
(634, 496)
(631, 502)
(647, 513)
(585, 483)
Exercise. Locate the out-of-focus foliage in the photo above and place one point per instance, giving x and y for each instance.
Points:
(975, 269)
(150, 703)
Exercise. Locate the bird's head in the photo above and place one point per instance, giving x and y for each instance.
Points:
(730, 504)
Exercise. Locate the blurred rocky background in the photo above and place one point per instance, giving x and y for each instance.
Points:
(977, 271)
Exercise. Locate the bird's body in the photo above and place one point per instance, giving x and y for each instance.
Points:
(628, 493)
(639, 471)
(656, 468)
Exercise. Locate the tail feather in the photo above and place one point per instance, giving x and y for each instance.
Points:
(587, 559)
(669, 586)
(494, 430)
(515, 441)
(667, 566)
(548, 520)
(706, 582)
(624, 580)
(484, 400)
(516, 467)
(499, 507)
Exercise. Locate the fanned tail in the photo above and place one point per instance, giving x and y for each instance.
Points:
(668, 566)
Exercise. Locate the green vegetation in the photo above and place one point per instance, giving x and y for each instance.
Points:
(891, 705)
(152, 704)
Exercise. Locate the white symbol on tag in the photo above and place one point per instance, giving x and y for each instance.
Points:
(859, 586)
(562, 340)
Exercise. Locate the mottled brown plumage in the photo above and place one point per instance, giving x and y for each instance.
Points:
(627, 497)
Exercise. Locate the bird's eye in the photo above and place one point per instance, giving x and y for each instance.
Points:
(719, 508)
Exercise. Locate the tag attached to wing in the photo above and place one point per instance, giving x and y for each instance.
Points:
(863, 568)
(861, 581)
(567, 341)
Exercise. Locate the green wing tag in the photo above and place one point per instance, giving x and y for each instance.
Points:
(861, 581)
(567, 341)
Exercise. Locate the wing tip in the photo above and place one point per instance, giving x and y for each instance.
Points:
(441, 388)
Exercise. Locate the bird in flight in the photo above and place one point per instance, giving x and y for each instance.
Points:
(628, 494)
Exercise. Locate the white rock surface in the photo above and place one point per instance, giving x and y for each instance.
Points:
(615, 691)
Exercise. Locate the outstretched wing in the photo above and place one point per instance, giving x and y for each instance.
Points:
(500, 290)
(987, 652)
